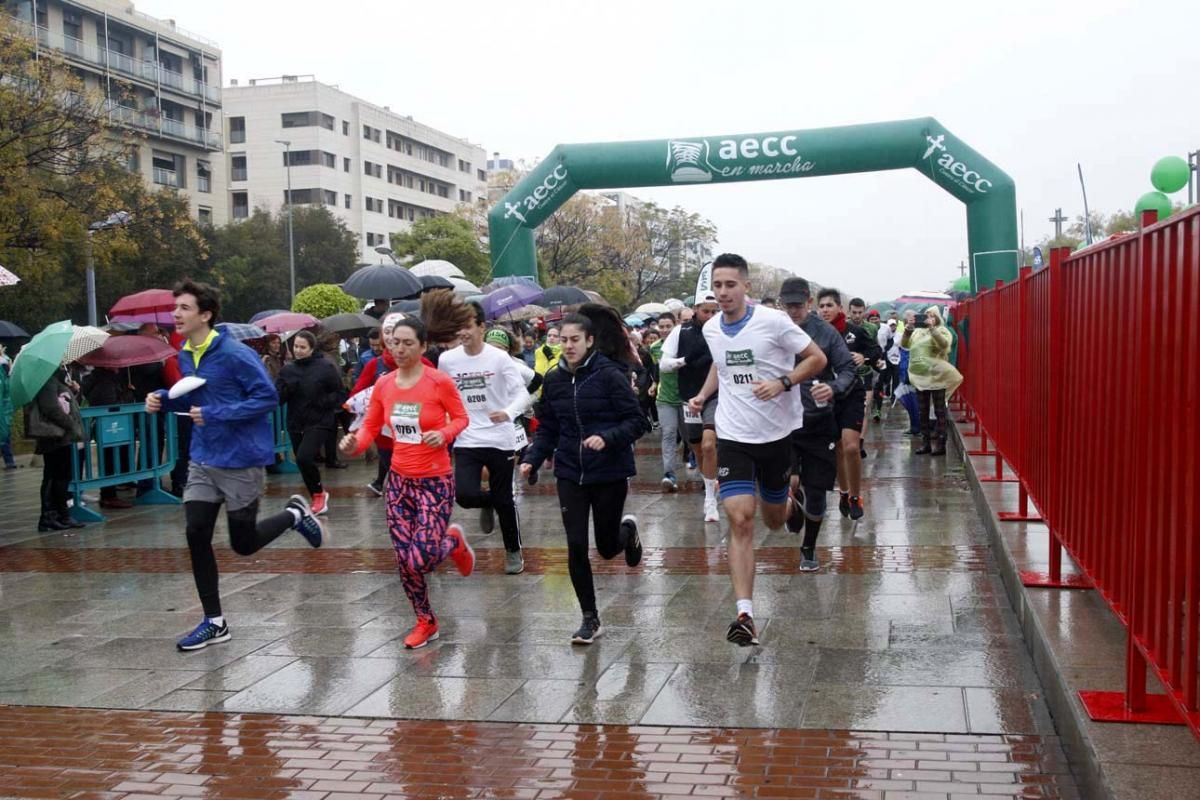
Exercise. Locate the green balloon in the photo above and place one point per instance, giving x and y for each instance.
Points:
(1169, 174)
(1153, 201)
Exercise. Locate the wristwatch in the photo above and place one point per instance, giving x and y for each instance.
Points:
(787, 383)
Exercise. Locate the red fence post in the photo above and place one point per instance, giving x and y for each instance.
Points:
(1025, 342)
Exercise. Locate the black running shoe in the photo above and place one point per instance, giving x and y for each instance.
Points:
(633, 542)
(375, 488)
(487, 519)
(844, 504)
(742, 632)
(795, 517)
(856, 508)
(589, 629)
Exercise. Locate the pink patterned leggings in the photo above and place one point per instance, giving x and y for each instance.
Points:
(418, 513)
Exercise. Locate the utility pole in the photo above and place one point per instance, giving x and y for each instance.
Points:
(112, 221)
(962, 268)
(1193, 170)
(1058, 219)
(287, 159)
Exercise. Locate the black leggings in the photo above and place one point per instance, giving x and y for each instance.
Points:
(938, 398)
(605, 504)
(469, 463)
(247, 535)
(56, 480)
(306, 444)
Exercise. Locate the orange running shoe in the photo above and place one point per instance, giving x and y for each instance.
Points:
(424, 632)
(463, 555)
(320, 503)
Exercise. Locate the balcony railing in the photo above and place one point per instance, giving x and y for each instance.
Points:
(120, 62)
(163, 125)
(166, 177)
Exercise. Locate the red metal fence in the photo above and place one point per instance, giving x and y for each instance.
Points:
(1083, 377)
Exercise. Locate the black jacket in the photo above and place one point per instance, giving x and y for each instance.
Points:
(694, 349)
(107, 387)
(859, 340)
(595, 399)
(839, 370)
(313, 391)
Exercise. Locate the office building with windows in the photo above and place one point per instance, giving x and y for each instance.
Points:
(154, 78)
(376, 170)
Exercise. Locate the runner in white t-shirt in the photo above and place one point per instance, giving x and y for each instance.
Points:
(754, 352)
(494, 393)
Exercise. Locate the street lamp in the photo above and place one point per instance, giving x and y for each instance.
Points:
(115, 220)
(387, 251)
(287, 161)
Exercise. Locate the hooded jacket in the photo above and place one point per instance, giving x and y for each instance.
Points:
(237, 402)
(313, 391)
(594, 399)
(839, 372)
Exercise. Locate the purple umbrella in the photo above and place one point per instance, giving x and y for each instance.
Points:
(509, 298)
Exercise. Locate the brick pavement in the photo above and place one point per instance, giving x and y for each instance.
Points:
(60, 753)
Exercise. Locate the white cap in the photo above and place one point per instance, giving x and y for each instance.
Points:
(705, 297)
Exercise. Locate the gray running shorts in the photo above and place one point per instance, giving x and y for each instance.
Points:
(238, 487)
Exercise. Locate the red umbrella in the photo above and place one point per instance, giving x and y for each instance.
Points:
(129, 351)
(287, 322)
(147, 302)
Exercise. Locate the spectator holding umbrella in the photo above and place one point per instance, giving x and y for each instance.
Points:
(276, 356)
(313, 390)
(55, 425)
(6, 412)
(105, 386)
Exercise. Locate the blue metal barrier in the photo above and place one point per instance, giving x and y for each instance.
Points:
(283, 444)
(128, 448)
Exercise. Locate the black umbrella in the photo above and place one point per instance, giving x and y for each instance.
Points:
(405, 307)
(564, 296)
(349, 323)
(382, 280)
(435, 282)
(9, 330)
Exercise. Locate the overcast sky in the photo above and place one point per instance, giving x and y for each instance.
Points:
(1033, 86)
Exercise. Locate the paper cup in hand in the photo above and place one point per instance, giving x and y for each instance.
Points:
(185, 385)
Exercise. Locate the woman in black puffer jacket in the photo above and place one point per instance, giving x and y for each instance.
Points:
(588, 420)
(313, 390)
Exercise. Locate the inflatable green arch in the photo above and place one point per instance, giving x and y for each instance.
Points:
(920, 144)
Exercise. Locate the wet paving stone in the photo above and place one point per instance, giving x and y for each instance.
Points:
(137, 754)
(897, 671)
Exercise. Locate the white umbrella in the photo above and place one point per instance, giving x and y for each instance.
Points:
(84, 339)
(673, 304)
(7, 278)
(652, 308)
(463, 286)
(438, 267)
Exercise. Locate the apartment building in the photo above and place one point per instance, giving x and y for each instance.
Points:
(375, 169)
(155, 78)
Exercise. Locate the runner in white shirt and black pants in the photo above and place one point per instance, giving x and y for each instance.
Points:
(494, 394)
(754, 353)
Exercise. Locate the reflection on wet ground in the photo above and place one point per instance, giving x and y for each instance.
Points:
(905, 636)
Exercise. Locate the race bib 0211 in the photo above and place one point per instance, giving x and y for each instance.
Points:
(741, 368)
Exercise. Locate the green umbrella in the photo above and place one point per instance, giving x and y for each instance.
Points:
(38, 360)
(961, 284)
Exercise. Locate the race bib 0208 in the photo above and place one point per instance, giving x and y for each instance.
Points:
(406, 423)
(474, 391)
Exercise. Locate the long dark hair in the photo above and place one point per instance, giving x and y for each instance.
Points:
(607, 329)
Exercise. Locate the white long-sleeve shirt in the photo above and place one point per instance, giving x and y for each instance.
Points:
(488, 381)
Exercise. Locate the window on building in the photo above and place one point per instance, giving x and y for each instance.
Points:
(328, 197)
(348, 201)
(297, 158)
(133, 159)
(412, 214)
(372, 134)
(241, 205)
(300, 197)
(203, 176)
(372, 169)
(443, 190)
(237, 130)
(204, 216)
(72, 24)
(345, 128)
(376, 240)
(464, 196)
(305, 119)
(421, 184)
(374, 204)
(328, 160)
(464, 166)
(346, 164)
(481, 175)
(237, 167)
(168, 170)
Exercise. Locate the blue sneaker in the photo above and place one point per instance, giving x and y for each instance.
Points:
(669, 484)
(206, 633)
(808, 561)
(308, 525)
